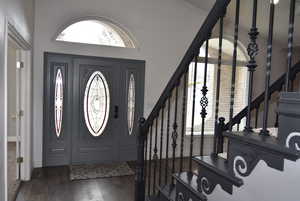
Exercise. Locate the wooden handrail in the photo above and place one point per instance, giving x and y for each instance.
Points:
(203, 34)
(276, 86)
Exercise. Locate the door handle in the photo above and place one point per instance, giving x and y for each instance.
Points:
(116, 115)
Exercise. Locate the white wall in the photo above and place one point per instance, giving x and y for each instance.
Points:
(265, 184)
(163, 29)
(20, 13)
(11, 93)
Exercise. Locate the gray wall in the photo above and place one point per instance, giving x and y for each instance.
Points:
(20, 13)
(163, 29)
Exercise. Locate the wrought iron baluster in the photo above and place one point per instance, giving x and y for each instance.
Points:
(277, 105)
(150, 160)
(183, 121)
(161, 144)
(264, 130)
(290, 43)
(252, 52)
(155, 156)
(256, 116)
(168, 139)
(292, 83)
(174, 134)
(140, 168)
(218, 84)
(193, 112)
(145, 158)
(204, 99)
(234, 62)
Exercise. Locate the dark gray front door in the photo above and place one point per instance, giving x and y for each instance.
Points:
(92, 116)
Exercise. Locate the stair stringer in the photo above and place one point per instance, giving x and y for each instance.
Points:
(265, 184)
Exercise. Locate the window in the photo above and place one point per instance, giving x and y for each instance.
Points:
(58, 102)
(225, 86)
(131, 103)
(96, 32)
(96, 104)
(199, 85)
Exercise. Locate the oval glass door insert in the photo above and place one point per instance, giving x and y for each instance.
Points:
(96, 104)
(58, 102)
(131, 104)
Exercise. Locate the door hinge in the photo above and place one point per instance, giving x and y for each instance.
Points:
(20, 64)
(20, 160)
(21, 113)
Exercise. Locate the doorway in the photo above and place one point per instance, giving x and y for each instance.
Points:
(91, 109)
(13, 119)
(17, 111)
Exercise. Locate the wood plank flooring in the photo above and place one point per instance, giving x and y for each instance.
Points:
(53, 184)
(13, 183)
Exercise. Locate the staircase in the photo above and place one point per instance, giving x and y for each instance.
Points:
(169, 168)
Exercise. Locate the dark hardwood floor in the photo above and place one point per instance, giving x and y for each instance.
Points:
(53, 184)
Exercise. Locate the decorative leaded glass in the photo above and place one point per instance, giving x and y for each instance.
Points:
(96, 104)
(131, 103)
(58, 102)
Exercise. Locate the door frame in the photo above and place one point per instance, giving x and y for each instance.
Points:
(12, 33)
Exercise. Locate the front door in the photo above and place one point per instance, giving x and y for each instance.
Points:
(94, 116)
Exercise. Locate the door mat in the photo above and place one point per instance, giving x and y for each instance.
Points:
(81, 172)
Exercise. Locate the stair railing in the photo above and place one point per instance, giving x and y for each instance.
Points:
(168, 106)
(158, 161)
(256, 105)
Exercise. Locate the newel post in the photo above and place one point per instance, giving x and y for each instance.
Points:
(220, 141)
(139, 176)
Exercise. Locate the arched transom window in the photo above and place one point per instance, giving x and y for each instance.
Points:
(96, 32)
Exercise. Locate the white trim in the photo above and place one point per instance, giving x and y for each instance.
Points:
(11, 33)
(5, 109)
(11, 139)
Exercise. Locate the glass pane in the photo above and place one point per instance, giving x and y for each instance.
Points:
(96, 103)
(58, 102)
(199, 85)
(91, 32)
(131, 103)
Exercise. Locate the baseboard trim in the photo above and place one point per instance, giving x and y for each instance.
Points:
(11, 138)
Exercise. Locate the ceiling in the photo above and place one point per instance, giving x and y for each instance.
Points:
(281, 17)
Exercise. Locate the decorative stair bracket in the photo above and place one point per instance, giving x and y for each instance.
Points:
(289, 120)
(247, 149)
(214, 170)
(166, 193)
(187, 187)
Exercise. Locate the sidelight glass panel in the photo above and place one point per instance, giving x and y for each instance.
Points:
(58, 102)
(131, 103)
(96, 104)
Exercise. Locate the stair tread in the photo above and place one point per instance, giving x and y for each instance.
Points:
(168, 192)
(153, 198)
(267, 142)
(190, 182)
(219, 166)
